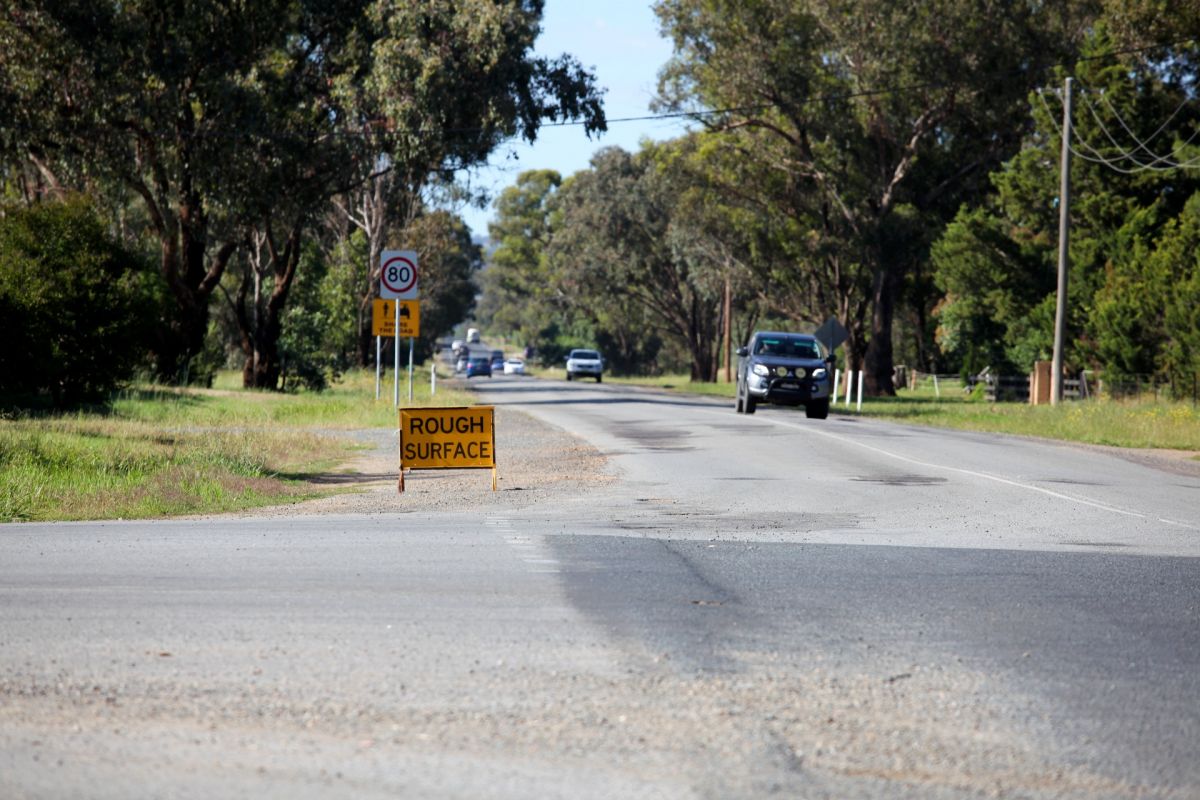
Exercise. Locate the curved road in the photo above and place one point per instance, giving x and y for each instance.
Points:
(755, 605)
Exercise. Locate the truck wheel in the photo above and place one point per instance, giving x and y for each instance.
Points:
(597, 379)
(817, 409)
(737, 402)
(750, 403)
(568, 376)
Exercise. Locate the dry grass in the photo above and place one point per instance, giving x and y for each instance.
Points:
(158, 452)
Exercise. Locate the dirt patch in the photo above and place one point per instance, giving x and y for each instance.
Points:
(536, 462)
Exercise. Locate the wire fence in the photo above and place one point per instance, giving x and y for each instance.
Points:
(1086, 385)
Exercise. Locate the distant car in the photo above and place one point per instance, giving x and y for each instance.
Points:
(479, 365)
(584, 364)
(514, 366)
(785, 369)
(497, 361)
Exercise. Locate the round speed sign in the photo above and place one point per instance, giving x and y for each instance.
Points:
(398, 275)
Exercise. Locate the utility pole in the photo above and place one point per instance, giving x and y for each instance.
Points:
(727, 325)
(1064, 258)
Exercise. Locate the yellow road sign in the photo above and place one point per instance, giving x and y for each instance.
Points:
(448, 438)
(383, 318)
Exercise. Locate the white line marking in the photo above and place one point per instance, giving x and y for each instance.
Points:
(984, 475)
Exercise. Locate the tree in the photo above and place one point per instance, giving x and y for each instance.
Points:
(156, 99)
(861, 124)
(449, 262)
(997, 262)
(615, 243)
(79, 311)
(237, 123)
(521, 296)
(448, 83)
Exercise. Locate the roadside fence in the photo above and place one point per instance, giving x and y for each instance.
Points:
(1087, 385)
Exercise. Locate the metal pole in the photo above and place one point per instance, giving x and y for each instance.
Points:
(378, 340)
(396, 365)
(1064, 258)
(728, 330)
(410, 370)
(433, 376)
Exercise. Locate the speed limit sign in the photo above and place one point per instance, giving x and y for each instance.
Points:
(398, 275)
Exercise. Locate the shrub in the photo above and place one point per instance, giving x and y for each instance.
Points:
(76, 309)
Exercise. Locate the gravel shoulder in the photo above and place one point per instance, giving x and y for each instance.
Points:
(536, 462)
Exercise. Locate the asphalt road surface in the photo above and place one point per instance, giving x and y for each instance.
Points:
(751, 606)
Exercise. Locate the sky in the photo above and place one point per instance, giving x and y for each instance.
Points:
(618, 41)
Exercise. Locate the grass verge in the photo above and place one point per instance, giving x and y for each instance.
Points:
(158, 451)
(1145, 424)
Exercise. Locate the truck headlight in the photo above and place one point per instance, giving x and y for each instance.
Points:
(761, 369)
(819, 373)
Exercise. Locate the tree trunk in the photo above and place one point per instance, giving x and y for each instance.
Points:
(191, 278)
(260, 334)
(879, 356)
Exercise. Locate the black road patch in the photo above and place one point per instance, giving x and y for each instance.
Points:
(901, 480)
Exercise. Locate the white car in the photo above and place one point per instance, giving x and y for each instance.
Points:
(514, 366)
(584, 364)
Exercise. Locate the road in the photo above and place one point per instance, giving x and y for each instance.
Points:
(754, 606)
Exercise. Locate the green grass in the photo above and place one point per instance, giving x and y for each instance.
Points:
(1152, 424)
(164, 452)
(1161, 424)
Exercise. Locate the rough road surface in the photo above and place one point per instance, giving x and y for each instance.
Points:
(585, 633)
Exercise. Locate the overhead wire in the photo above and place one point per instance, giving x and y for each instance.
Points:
(1088, 152)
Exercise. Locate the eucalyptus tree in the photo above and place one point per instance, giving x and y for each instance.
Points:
(859, 126)
(236, 123)
(521, 297)
(183, 106)
(448, 84)
(619, 245)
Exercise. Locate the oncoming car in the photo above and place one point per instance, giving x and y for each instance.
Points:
(783, 369)
(584, 364)
(514, 366)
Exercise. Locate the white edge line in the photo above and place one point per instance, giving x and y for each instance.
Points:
(996, 478)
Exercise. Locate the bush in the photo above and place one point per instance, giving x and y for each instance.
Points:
(78, 310)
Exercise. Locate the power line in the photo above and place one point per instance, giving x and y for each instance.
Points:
(1117, 162)
(879, 92)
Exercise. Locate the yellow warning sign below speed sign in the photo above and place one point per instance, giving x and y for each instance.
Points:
(383, 318)
(448, 438)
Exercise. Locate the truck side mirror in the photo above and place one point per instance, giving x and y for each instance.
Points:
(743, 352)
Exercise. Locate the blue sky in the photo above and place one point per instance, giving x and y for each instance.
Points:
(618, 41)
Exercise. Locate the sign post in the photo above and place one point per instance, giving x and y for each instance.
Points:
(398, 281)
